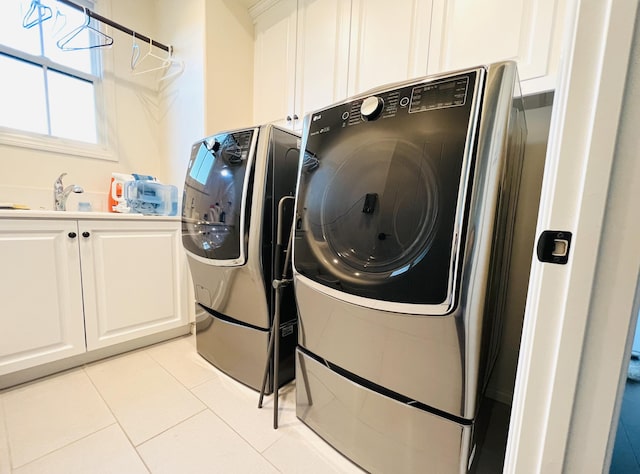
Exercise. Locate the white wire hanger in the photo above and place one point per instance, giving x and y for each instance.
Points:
(149, 57)
(59, 22)
(36, 14)
(175, 67)
(65, 43)
(169, 64)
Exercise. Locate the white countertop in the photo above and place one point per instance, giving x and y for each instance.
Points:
(46, 214)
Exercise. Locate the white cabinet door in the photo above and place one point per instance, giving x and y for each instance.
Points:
(41, 295)
(274, 63)
(322, 54)
(131, 277)
(466, 34)
(389, 42)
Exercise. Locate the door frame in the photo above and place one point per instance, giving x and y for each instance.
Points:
(574, 197)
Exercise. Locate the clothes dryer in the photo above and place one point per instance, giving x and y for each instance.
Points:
(404, 219)
(238, 194)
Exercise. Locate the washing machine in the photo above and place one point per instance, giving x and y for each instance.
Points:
(238, 197)
(404, 219)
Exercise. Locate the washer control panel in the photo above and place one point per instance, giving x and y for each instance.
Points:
(421, 97)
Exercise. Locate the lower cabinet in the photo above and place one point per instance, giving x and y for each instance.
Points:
(41, 318)
(130, 279)
(74, 286)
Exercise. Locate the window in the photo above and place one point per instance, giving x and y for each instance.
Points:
(46, 91)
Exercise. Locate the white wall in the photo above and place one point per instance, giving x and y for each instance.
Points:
(229, 66)
(152, 124)
(27, 175)
(182, 98)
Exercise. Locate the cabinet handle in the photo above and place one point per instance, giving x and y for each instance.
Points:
(288, 118)
(295, 117)
(86, 234)
(72, 235)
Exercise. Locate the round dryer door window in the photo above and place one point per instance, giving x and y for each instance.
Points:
(381, 200)
(379, 210)
(214, 197)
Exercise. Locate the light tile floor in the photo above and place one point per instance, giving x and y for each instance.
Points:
(159, 409)
(164, 409)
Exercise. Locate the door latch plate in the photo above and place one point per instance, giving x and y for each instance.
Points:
(553, 246)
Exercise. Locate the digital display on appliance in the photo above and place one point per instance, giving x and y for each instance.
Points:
(439, 95)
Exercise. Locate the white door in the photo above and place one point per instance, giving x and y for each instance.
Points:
(578, 315)
(389, 42)
(322, 54)
(131, 279)
(466, 34)
(274, 64)
(41, 295)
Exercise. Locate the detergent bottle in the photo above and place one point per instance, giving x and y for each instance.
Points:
(117, 198)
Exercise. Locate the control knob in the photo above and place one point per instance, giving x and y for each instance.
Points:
(371, 107)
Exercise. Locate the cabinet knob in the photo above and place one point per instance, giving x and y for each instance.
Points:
(86, 234)
(72, 235)
(288, 118)
(295, 117)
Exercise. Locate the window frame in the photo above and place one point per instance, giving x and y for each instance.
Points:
(104, 99)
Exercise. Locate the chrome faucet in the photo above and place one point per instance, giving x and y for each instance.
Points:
(60, 193)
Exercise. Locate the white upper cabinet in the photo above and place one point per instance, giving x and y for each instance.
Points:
(468, 33)
(312, 53)
(323, 53)
(301, 58)
(274, 63)
(389, 42)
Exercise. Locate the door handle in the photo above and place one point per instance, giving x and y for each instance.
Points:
(85, 234)
(72, 235)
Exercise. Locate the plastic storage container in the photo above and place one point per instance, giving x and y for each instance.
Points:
(152, 198)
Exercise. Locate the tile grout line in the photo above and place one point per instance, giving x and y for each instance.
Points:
(227, 423)
(115, 418)
(169, 372)
(144, 350)
(169, 428)
(6, 431)
(207, 407)
(34, 383)
(260, 453)
(65, 446)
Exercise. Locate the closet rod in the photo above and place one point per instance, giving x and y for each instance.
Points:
(117, 26)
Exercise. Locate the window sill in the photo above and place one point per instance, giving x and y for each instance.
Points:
(55, 145)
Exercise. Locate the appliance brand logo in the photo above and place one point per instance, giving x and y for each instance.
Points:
(317, 117)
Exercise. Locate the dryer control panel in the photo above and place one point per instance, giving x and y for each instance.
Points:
(424, 97)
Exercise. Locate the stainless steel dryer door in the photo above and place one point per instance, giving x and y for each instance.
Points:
(381, 197)
(214, 205)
